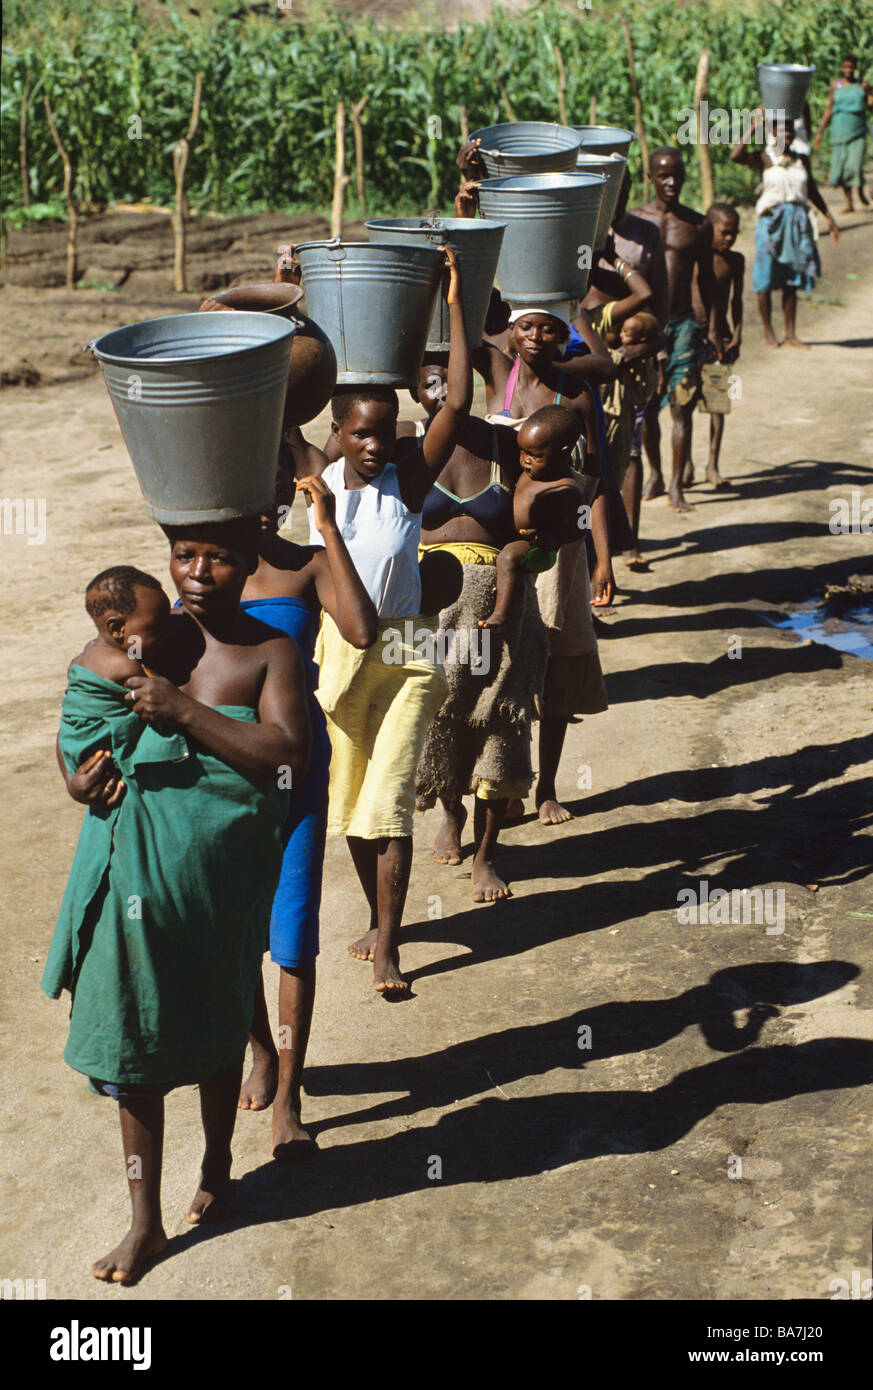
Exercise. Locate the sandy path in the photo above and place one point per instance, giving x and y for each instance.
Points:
(562, 1167)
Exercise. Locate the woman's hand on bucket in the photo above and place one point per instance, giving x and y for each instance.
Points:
(469, 160)
(452, 277)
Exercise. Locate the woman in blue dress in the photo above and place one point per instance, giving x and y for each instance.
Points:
(289, 589)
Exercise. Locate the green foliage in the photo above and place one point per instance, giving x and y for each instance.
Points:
(273, 76)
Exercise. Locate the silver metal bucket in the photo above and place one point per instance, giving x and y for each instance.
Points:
(476, 243)
(784, 87)
(612, 167)
(199, 400)
(375, 302)
(550, 219)
(605, 139)
(527, 147)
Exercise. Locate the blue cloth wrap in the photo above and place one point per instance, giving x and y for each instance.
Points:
(786, 255)
(294, 920)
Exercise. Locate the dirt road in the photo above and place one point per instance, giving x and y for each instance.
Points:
(585, 1096)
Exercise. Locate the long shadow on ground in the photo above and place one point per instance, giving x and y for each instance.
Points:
(498, 1140)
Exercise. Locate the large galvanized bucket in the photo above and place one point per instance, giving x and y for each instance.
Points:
(476, 243)
(527, 147)
(605, 139)
(784, 87)
(612, 167)
(199, 399)
(551, 222)
(375, 302)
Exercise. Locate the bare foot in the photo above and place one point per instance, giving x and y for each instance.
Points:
(677, 500)
(488, 887)
(634, 560)
(514, 810)
(795, 342)
(654, 487)
(770, 339)
(387, 978)
(126, 1262)
(447, 845)
(212, 1198)
(553, 813)
(291, 1142)
(714, 477)
(364, 948)
(259, 1087)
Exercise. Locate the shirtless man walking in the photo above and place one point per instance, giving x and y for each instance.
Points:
(687, 238)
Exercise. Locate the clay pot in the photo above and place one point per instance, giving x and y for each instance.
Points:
(312, 374)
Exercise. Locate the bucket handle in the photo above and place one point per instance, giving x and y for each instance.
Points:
(335, 249)
(89, 347)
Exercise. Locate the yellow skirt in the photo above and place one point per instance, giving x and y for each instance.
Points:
(379, 704)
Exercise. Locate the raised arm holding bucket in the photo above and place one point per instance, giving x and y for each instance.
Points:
(379, 703)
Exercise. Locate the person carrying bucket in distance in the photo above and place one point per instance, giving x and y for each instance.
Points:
(380, 702)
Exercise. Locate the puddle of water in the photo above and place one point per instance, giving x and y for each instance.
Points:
(844, 621)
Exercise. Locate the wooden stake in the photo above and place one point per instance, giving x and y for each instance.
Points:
(22, 143)
(592, 114)
(340, 180)
(181, 151)
(357, 126)
(465, 126)
(72, 215)
(510, 114)
(707, 183)
(562, 86)
(638, 108)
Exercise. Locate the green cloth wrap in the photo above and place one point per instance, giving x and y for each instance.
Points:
(166, 913)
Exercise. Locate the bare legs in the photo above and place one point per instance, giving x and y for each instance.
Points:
(631, 492)
(681, 441)
(277, 1072)
(296, 1000)
(488, 816)
(218, 1105)
(383, 868)
(259, 1087)
(765, 309)
(716, 431)
(789, 309)
(652, 445)
(142, 1134)
(553, 730)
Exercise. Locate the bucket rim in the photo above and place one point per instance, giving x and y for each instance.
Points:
(556, 126)
(280, 330)
(449, 224)
(539, 183)
(608, 132)
(381, 247)
(785, 67)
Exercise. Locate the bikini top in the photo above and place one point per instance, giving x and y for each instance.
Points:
(491, 507)
(505, 416)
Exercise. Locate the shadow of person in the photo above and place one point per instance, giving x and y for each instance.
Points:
(497, 1140)
(617, 1028)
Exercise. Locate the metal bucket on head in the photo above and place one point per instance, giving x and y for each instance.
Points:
(612, 167)
(605, 139)
(551, 220)
(476, 243)
(784, 87)
(199, 400)
(375, 302)
(527, 147)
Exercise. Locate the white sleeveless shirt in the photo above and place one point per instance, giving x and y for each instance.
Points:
(382, 537)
